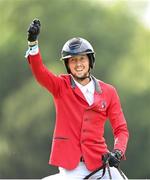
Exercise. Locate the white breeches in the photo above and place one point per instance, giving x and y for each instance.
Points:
(81, 171)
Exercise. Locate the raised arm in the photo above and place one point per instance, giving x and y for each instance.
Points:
(46, 78)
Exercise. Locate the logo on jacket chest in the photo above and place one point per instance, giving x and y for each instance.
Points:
(101, 106)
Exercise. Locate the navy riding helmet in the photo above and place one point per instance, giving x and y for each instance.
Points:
(77, 46)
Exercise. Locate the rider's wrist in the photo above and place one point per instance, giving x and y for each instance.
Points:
(33, 43)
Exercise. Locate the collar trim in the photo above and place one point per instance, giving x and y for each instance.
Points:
(96, 84)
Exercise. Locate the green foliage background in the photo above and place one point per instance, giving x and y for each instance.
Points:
(27, 113)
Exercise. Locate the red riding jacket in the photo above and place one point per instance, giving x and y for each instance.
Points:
(79, 128)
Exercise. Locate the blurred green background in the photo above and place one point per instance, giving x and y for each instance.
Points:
(27, 115)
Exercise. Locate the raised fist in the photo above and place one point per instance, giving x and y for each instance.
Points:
(34, 30)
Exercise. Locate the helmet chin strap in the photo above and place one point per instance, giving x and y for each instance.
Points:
(82, 78)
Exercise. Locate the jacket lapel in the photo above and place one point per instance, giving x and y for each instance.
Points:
(97, 85)
(97, 92)
(76, 90)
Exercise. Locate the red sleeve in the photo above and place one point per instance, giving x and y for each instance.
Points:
(118, 122)
(46, 78)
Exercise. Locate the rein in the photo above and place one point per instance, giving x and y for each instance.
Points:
(103, 167)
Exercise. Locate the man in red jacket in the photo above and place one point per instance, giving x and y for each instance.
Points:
(83, 104)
